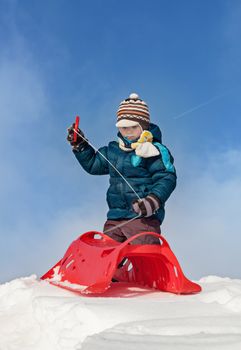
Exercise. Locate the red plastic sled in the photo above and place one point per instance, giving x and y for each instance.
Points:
(94, 260)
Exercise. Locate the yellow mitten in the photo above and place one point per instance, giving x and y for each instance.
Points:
(146, 136)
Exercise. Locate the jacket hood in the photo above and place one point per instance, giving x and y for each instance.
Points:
(156, 132)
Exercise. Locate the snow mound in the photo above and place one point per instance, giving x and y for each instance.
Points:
(37, 315)
(224, 291)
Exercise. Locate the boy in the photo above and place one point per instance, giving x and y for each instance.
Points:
(136, 202)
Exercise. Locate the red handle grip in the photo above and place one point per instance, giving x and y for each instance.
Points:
(76, 126)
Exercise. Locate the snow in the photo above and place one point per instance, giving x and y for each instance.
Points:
(37, 315)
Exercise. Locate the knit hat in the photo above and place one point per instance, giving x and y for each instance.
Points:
(133, 111)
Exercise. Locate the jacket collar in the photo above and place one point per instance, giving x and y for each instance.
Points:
(124, 142)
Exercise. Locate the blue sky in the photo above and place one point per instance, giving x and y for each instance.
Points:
(59, 59)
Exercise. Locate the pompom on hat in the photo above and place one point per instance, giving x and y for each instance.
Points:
(133, 111)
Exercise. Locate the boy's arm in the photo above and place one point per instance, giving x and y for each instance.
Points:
(91, 161)
(163, 174)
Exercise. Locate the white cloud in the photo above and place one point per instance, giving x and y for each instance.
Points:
(203, 217)
(35, 248)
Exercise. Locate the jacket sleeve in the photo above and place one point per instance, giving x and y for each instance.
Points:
(92, 161)
(163, 174)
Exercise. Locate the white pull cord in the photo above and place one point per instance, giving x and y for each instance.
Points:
(109, 163)
(132, 219)
(123, 223)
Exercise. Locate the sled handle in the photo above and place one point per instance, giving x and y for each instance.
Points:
(76, 126)
(104, 237)
(157, 235)
(91, 235)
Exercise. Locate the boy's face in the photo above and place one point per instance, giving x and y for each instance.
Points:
(131, 133)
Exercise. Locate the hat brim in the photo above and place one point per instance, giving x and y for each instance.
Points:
(126, 123)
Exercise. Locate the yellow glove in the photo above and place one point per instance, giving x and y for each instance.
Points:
(146, 136)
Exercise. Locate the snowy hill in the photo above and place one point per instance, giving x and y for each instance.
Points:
(36, 315)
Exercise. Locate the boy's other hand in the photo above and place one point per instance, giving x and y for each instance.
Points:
(146, 206)
(79, 140)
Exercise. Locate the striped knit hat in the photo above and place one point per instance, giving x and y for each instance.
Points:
(133, 111)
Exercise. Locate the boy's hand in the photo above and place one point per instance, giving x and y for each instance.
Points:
(79, 140)
(146, 206)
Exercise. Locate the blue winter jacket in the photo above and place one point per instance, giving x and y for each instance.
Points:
(155, 175)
